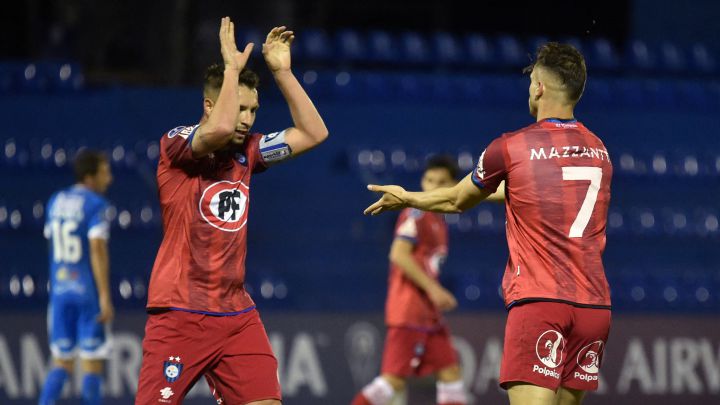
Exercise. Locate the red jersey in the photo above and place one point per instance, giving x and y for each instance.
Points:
(200, 265)
(407, 304)
(557, 194)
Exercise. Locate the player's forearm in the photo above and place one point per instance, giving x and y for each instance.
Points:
(439, 200)
(304, 114)
(101, 271)
(411, 269)
(220, 126)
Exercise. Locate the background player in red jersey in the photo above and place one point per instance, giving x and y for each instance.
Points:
(202, 321)
(418, 340)
(557, 185)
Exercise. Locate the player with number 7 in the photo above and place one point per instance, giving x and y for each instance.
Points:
(556, 177)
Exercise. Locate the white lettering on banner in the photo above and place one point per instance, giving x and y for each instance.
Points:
(684, 358)
(711, 365)
(661, 366)
(677, 367)
(488, 371)
(636, 367)
(303, 368)
(466, 356)
(34, 365)
(8, 379)
(126, 358)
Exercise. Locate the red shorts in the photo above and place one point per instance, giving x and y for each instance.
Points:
(551, 344)
(412, 352)
(232, 352)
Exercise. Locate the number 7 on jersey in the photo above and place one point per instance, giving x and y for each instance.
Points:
(594, 174)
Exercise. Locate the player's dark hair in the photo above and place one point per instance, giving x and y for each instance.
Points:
(214, 75)
(567, 63)
(443, 162)
(87, 162)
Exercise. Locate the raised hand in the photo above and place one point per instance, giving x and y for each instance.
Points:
(276, 49)
(233, 58)
(392, 199)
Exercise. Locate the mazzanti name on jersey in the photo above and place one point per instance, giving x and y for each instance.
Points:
(569, 152)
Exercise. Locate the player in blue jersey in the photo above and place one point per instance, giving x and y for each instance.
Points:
(80, 307)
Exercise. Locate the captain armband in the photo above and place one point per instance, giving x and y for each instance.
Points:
(273, 148)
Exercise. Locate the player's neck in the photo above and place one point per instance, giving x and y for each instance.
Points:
(88, 186)
(559, 111)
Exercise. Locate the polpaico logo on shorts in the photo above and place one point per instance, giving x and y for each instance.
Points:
(549, 348)
(588, 360)
(224, 205)
(589, 357)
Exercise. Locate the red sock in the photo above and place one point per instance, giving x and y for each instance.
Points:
(360, 400)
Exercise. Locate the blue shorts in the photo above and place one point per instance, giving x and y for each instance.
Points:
(73, 328)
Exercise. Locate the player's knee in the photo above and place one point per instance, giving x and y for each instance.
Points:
(67, 364)
(452, 392)
(93, 366)
(448, 374)
(381, 390)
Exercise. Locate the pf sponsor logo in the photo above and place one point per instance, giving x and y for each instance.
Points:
(224, 204)
(550, 347)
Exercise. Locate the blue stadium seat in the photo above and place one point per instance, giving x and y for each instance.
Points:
(672, 58)
(414, 48)
(315, 45)
(383, 47)
(640, 56)
(602, 55)
(351, 46)
(701, 60)
(447, 50)
(480, 51)
(511, 52)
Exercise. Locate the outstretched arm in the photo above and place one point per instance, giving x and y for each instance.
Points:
(458, 198)
(308, 128)
(219, 128)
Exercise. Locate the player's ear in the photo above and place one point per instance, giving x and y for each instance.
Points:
(208, 105)
(539, 90)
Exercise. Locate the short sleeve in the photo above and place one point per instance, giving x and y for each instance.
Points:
(98, 223)
(177, 145)
(407, 225)
(492, 166)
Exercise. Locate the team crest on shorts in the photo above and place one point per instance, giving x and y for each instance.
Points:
(172, 368)
(224, 204)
